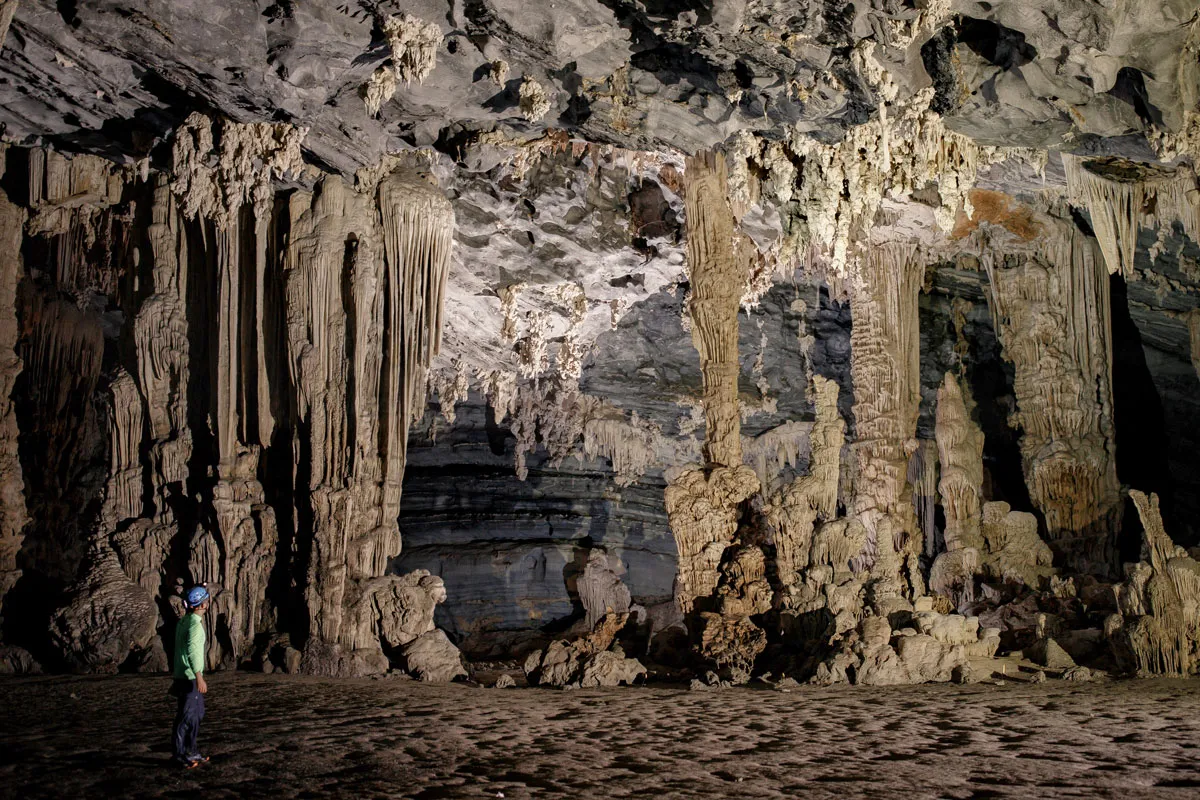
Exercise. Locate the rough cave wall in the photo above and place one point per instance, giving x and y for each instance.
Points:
(1162, 306)
(133, 287)
(157, 404)
(510, 550)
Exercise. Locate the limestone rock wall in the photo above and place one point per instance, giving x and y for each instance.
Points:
(175, 401)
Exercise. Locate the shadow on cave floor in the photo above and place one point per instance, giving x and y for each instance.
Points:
(295, 737)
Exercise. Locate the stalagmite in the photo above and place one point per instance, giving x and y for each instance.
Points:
(794, 513)
(595, 660)
(108, 613)
(885, 367)
(702, 504)
(1054, 321)
(12, 483)
(1157, 631)
(1013, 550)
(960, 452)
(600, 587)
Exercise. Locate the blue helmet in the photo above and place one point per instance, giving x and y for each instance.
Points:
(196, 595)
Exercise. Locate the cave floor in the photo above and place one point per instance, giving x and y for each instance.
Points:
(294, 737)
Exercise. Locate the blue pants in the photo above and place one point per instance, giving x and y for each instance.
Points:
(189, 712)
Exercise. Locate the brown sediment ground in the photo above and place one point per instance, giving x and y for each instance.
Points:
(292, 737)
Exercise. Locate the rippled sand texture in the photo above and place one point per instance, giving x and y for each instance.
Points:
(292, 737)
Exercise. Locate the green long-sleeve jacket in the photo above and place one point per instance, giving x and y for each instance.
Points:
(189, 647)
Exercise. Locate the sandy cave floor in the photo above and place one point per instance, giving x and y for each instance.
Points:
(294, 737)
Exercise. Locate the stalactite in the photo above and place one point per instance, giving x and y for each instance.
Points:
(508, 310)
(841, 186)
(123, 493)
(534, 101)
(378, 90)
(13, 514)
(704, 504)
(960, 452)
(418, 227)
(64, 350)
(160, 335)
(632, 445)
(451, 387)
(500, 388)
(73, 205)
(1053, 318)
(1118, 206)
(885, 368)
(7, 9)
(414, 44)
(716, 277)
(218, 173)
(327, 230)
(785, 445)
(923, 478)
(1115, 208)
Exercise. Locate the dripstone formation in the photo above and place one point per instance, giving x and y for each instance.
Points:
(612, 343)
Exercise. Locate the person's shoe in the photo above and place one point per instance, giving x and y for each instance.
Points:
(195, 760)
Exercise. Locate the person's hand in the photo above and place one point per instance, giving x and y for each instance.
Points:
(201, 686)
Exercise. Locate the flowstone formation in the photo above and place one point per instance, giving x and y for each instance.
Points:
(364, 274)
(705, 504)
(1053, 315)
(884, 364)
(797, 341)
(1157, 630)
(222, 320)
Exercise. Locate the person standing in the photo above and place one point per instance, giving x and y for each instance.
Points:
(189, 687)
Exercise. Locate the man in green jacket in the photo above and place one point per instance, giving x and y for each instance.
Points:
(189, 687)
